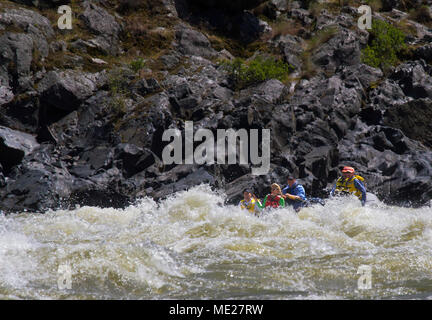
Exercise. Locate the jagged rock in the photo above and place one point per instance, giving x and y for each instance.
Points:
(15, 60)
(28, 21)
(146, 123)
(6, 94)
(58, 46)
(21, 113)
(14, 145)
(301, 14)
(291, 47)
(325, 19)
(271, 90)
(196, 177)
(424, 52)
(250, 27)
(101, 23)
(191, 42)
(342, 49)
(387, 94)
(134, 159)
(413, 79)
(360, 74)
(32, 24)
(413, 118)
(280, 5)
(146, 86)
(170, 60)
(83, 45)
(38, 183)
(66, 90)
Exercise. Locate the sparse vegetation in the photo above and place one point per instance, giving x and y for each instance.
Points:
(137, 64)
(285, 27)
(386, 42)
(422, 14)
(321, 37)
(308, 67)
(376, 5)
(259, 69)
(118, 82)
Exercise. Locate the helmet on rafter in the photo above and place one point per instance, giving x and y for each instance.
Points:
(348, 169)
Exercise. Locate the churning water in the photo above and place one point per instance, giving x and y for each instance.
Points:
(192, 246)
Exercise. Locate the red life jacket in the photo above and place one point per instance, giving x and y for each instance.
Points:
(272, 202)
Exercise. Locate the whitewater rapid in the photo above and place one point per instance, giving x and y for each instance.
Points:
(194, 246)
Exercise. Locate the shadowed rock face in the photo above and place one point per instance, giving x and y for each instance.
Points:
(14, 145)
(43, 3)
(229, 5)
(73, 136)
(414, 119)
(227, 17)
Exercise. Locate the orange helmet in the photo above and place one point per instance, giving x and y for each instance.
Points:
(348, 169)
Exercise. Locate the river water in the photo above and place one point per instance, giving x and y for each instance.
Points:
(192, 246)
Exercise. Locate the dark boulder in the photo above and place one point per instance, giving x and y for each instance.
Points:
(146, 86)
(6, 94)
(413, 118)
(14, 145)
(291, 48)
(413, 79)
(62, 92)
(386, 94)
(38, 183)
(183, 178)
(16, 56)
(104, 25)
(192, 42)
(343, 48)
(424, 52)
(134, 159)
(30, 24)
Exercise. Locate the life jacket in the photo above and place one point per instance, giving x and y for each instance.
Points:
(272, 202)
(348, 185)
(248, 205)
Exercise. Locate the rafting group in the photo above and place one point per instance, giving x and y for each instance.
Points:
(294, 193)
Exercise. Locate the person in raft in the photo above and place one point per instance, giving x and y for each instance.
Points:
(294, 194)
(274, 199)
(350, 183)
(249, 202)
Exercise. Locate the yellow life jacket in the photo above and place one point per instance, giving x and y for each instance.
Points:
(248, 205)
(348, 185)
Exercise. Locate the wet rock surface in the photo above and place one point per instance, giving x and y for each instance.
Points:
(94, 136)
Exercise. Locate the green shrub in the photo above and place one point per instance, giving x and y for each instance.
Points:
(137, 64)
(119, 82)
(246, 73)
(385, 43)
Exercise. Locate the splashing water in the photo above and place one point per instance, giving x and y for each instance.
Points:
(192, 246)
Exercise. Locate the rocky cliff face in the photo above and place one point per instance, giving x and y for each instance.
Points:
(83, 111)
